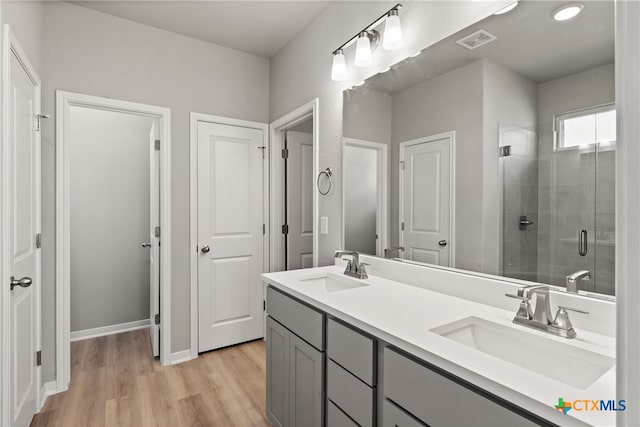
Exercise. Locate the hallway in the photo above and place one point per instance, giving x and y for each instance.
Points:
(115, 382)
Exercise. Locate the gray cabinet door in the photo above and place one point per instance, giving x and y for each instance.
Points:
(305, 384)
(278, 353)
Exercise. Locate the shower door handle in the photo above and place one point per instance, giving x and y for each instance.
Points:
(582, 243)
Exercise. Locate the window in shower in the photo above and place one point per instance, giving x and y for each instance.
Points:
(577, 129)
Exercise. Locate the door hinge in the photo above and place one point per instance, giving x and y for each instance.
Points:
(157, 145)
(263, 148)
(402, 226)
(505, 151)
(264, 305)
(39, 118)
(402, 164)
(39, 358)
(38, 240)
(264, 229)
(157, 319)
(285, 229)
(156, 232)
(285, 153)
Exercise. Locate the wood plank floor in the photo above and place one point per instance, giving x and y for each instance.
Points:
(115, 382)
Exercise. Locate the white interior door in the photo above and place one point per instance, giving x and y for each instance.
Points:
(24, 207)
(154, 238)
(230, 234)
(425, 198)
(300, 192)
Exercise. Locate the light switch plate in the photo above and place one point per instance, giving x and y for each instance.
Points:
(324, 225)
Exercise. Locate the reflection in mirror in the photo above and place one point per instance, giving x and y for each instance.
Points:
(501, 150)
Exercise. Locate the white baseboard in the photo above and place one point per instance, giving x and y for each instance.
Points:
(181, 356)
(47, 390)
(109, 330)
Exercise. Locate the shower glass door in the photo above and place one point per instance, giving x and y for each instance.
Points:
(558, 200)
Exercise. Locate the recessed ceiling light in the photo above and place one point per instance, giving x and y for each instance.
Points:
(568, 11)
(506, 9)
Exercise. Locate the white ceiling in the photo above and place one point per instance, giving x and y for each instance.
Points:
(529, 42)
(258, 27)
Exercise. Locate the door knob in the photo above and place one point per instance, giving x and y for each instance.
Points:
(25, 282)
(205, 249)
(146, 245)
(442, 243)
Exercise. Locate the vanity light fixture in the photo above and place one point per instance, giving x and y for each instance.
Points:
(339, 68)
(363, 50)
(367, 40)
(506, 9)
(392, 39)
(568, 11)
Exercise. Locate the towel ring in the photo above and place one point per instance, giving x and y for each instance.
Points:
(327, 172)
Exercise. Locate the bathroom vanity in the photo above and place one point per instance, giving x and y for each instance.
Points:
(415, 346)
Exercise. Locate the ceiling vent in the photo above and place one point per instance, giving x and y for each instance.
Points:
(477, 39)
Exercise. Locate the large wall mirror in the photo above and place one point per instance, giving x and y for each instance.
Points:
(492, 150)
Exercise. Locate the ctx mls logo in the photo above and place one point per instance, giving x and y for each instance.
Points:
(590, 405)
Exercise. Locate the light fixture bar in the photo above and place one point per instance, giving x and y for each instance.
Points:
(367, 28)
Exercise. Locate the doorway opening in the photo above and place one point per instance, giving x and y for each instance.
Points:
(113, 210)
(293, 197)
(365, 211)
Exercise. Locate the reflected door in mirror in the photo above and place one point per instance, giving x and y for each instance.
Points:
(425, 197)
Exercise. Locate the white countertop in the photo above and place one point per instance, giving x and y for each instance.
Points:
(403, 315)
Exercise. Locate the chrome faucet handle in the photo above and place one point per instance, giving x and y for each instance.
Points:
(521, 298)
(577, 310)
(562, 321)
(524, 310)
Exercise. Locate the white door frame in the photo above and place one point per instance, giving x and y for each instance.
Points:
(193, 216)
(64, 101)
(452, 176)
(11, 46)
(382, 207)
(276, 196)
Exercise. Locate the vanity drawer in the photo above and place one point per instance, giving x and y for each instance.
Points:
(353, 396)
(299, 318)
(337, 418)
(393, 416)
(351, 350)
(439, 400)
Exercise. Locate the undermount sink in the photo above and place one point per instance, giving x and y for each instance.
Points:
(333, 282)
(570, 365)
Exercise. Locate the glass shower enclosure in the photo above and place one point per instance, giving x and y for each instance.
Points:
(558, 199)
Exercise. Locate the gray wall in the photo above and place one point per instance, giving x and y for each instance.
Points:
(302, 72)
(449, 102)
(109, 208)
(98, 54)
(367, 115)
(568, 183)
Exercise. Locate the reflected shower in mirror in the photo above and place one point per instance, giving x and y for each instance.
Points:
(499, 150)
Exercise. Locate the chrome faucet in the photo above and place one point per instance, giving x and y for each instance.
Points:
(540, 318)
(354, 267)
(574, 279)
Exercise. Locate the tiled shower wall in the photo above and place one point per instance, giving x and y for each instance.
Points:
(520, 198)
